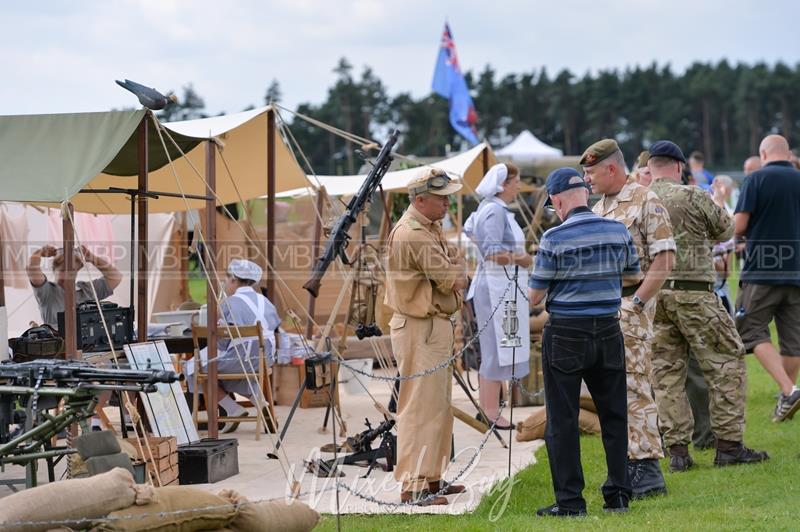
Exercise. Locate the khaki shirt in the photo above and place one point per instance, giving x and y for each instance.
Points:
(698, 223)
(645, 217)
(421, 269)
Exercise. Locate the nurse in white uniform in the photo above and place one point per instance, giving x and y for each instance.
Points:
(242, 305)
(501, 245)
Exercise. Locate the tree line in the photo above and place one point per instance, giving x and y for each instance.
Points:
(720, 109)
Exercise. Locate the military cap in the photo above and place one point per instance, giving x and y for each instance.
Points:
(666, 148)
(563, 179)
(642, 159)
(602, 149)
(433, 181)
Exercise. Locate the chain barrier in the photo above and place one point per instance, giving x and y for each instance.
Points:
(438, 367)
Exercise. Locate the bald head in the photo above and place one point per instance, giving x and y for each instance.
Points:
(751, 164)
(774, 148)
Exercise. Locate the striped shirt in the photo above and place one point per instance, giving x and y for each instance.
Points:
(581, 264)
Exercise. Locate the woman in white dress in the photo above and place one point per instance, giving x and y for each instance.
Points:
(501, 245)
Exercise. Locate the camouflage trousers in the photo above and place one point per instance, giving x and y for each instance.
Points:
(644, 440)
(697, 320)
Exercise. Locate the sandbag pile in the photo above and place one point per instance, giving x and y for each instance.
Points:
(113, 502)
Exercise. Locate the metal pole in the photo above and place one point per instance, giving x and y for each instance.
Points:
(141, 202)
(70, 320)
(271, 205)
(210, 249)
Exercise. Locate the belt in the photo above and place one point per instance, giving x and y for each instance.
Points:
(628, 291)
(696, 286)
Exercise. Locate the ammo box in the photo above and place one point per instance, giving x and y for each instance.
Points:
(207, 461)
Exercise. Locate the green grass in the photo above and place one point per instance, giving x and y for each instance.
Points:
(751, 497)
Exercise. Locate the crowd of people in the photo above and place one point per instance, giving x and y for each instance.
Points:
(639, 306)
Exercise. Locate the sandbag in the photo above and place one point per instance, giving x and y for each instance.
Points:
(100, 464)
(198, 510)
(533, 427)
(96, 443)
(267, 516)
(587, 403)
(69, 501)
(588, 422)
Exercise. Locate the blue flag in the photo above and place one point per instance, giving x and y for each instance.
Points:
(448, 81)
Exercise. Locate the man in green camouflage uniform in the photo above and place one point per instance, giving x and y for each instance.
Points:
(689, 315)
(647, 220)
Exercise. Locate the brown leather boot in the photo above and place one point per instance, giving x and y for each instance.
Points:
(679, 459)
(449, 489)
(422, 498)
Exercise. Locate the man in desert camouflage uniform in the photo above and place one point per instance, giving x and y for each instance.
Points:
(689, 315)
(647, 220)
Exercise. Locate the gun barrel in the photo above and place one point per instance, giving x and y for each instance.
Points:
(339, 237)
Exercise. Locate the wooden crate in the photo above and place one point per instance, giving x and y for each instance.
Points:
(164, 453)
(159, 447)
(314, 398)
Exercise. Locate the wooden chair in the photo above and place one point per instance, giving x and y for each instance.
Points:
(262, 375)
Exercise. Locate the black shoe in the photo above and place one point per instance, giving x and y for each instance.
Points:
(680, 462)
(554, 510)
(787, 406)
(739, 455)
(646, 478)
(617, 504)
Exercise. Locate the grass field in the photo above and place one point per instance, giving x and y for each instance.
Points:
(751, 497)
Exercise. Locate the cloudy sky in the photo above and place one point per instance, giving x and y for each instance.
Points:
(63, 56)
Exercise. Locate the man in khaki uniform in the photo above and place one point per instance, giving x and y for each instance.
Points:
(424, 284)
(690, 315)
(626, 201)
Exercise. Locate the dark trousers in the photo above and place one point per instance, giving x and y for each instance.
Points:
(592, 350)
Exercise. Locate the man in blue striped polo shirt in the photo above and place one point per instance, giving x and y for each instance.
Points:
(579, 268)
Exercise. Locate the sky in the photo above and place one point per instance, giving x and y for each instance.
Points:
(60, 56)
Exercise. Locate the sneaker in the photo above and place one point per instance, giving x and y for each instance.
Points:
(787, 406)
(646, 478)
(739, 455)
(554, 510)
(617, 504)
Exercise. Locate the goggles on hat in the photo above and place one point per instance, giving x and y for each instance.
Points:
(435, 182)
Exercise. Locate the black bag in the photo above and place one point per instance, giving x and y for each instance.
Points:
(37, 342)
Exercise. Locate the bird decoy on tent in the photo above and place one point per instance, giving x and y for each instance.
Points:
(149, 97)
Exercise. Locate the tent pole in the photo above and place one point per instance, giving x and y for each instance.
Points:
(70, 323)
(271, 205)
(211, 302)
(321, 195)
(3, 310)
(70, 318)
(183, 253)
(141, 203)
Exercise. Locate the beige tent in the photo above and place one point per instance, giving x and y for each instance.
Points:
(469, 167)
(241, 164)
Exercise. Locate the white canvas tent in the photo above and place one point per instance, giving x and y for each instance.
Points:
(469, 167)
(526, 148)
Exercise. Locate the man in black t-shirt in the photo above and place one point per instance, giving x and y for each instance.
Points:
(768, 214)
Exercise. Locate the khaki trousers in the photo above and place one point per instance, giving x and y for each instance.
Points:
(424, 413)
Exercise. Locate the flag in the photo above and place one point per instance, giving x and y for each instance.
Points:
(448, 81)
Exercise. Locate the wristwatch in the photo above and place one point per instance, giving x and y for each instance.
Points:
(637, 302)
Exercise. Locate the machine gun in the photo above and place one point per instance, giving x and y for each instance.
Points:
(29, 389)
(339, 238)
(360, 447)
